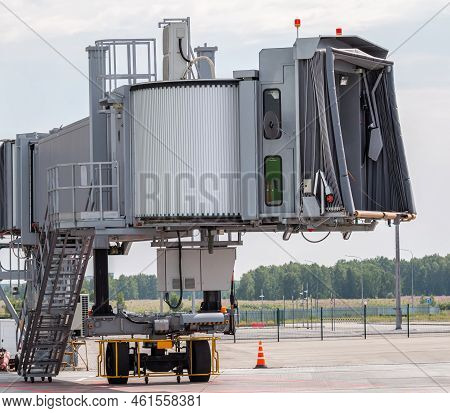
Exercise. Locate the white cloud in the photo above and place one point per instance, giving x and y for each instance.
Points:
(252, 18)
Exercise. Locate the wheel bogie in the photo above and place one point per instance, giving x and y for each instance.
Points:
(123, 362)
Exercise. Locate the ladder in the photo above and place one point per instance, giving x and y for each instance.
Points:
(60, 263)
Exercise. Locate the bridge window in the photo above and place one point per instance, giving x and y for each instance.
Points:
(272, 113)
(273, 180)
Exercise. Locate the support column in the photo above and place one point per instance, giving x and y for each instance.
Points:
(193, 302)
(98, 122)
(161, 303)
(212, 302)
(101, 283)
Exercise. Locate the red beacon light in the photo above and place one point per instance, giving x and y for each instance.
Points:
(297, 24)
(338, 31)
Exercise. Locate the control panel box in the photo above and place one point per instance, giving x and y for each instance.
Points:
(201, 271)
(175, 46)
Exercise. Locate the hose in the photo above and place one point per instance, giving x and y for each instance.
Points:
(180, 298)
(180, 48)
(233, 307)
(195, 60)
(316, 242)
(122, 314)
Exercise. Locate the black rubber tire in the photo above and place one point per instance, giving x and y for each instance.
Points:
(118, 380)
(32, 379)
(123, 362)
(50, 379)
(201, 360)
(25, 378)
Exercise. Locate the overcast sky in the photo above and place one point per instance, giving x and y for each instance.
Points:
(40, 90)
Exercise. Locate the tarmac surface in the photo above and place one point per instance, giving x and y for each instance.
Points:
(378, 364)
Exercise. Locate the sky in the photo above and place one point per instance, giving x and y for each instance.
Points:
(42, 90)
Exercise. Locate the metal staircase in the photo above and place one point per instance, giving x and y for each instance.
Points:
(59, 266)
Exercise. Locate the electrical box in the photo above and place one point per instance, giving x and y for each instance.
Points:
(8, 335)
(80, 316)
(201, 271)
(175, 42)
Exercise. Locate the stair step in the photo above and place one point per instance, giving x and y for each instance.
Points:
(52, 328)
(48, 344)
(44, 362)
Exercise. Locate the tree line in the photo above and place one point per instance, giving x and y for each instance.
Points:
(131, 287)
(342, 280)
(345, 279)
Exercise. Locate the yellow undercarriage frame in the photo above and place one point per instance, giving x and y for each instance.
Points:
(167, 344)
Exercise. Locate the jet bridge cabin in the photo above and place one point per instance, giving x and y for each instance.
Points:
(330, 140)
(311, 140)
(308, 141)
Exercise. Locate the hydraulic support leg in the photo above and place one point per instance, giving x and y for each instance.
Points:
(101, 283)
(212, 301)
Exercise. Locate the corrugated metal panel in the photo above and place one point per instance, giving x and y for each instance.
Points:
(7, 185)
(186, 150)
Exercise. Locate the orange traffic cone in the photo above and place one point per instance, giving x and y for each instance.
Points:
(260, 361)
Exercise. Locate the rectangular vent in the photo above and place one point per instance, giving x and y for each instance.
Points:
(176, 283)
(189, 283)
(84, 298)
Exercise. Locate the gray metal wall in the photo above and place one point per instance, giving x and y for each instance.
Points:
(277, 71)
(68, 145)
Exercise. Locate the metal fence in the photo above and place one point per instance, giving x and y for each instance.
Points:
(324, 323)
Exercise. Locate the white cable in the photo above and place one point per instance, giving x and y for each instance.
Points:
(195, 60)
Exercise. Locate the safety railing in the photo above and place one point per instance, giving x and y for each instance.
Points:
(334, 322)
(128, 61)
(83, 194)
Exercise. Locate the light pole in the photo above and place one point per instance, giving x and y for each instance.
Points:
(398, 308)
(362, 279)
(412, 275)
(308, 298)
